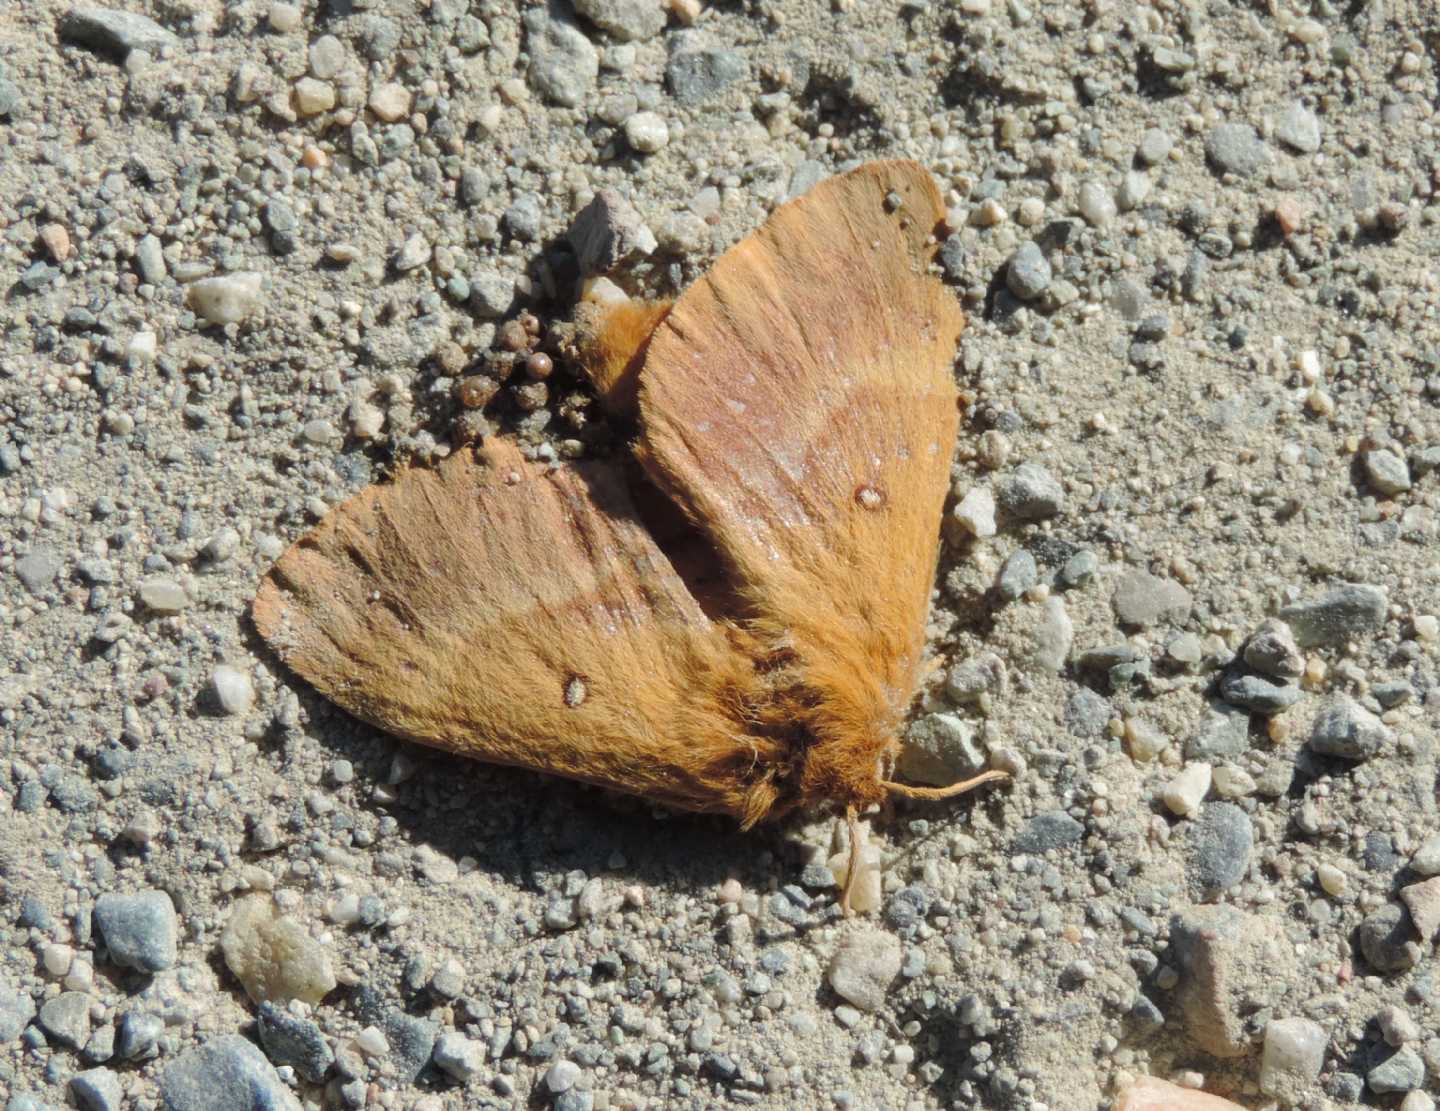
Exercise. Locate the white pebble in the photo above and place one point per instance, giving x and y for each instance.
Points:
(313, 97)
(227, 299)
(366, 420)
(1134, 188)
(283, 17)
(647, 132)
(345, 910)
(1054, 633)
(1184, 793)
(142, 347)
(163, 595)
(990, 212)
(1232, 782)
(1427, 626)
(390, 102)
(864, 967)
(976, 512)
(372, 1042)
(1332, 880)
(233, 689)
(56, 959)
(1096, 204)
(1294, 1053)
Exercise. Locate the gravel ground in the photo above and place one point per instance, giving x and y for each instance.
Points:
(255, 252)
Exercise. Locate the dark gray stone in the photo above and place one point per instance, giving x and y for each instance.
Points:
(412, 1041)
(694, 76)
(97, 1090)
(1220, 843)
(1345, 728)
(941, 749)
(1052, 830)
(1402, 1071)
(226, 1074)
(522, 219)
(607, 231)
(1030, 493)
(1338, 615)
(1386, 939)
(1224, 732)
(1257, 693)
(140, 930)
(296, 1042)
(113, 32)
(1087, 713)
(1272, 650)
(138, 1036)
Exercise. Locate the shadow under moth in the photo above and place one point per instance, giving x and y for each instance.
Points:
(733, 620)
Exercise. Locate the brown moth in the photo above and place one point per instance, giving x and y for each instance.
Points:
(736, 624)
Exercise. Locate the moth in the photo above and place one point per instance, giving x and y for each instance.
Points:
(732, 621)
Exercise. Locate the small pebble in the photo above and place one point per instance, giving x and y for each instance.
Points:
(228, 299)
(1028, 272)
(647, 132)
(1402, 1071)
(390, 102)
(1096, 205)
(226, 1072)
(1293, 1055)
(1336, 616)
(864, 966)
(976, 512)
(1237, 148)
(1299, 129)
(1345, 728)
(163, 596)
(140, 931)
(1387, 472)
(233, 690)
(1184, 793)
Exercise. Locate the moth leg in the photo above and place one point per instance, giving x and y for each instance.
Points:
(852, 873)
(909, 792)
(611, 338)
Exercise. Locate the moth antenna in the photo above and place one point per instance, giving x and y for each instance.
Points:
(905, 790)
(852, 822)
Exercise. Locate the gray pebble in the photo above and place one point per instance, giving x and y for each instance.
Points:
(1031, 493)
(293, 1041)
(1142, 599)
(138, 1036)
(97, 1090)
(115, 32)
(1337, 615)
(1237, 148)
(1028, 274)
(694, 75)
(101, 1046)
(975, 676)
(66, 1018)
(941, 749)
(10, 98)
(1155, 146)
(1257, 693)
(563, 62)
(908, 907)
(227, 1073)
(1017, 575)
(1402, 1071)
(1345, 728)
(1387, 472)
(1272, 650)
(150, 260)
(607, 232)
(491, 294)
(1052, 830)
(413, 254)
(1145, 1014)
(1079, 569)
(1087, 713)
(522, 219)
(1386, 939)
(1299, 129)
(38, 568)
(1220, 842)
(809, 173)
(1224, 732)
(626, 20)
(140, 930)
(16, 1011)
(412, 1041)
(281, 220)
(1346, 1087)
(459, 1057)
